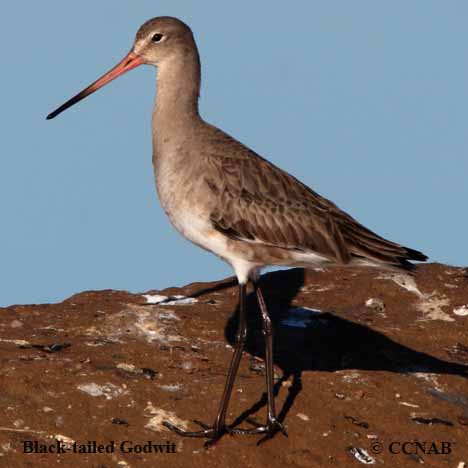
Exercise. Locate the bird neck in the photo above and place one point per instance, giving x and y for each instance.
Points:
(178, 89)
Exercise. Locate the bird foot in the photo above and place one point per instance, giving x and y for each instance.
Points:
(211, 433)
(269, 429)
(214, 433)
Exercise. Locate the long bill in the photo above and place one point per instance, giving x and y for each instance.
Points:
(131, 60)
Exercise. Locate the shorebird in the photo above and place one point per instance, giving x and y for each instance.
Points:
(227, 199)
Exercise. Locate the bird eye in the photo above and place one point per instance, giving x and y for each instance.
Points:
(157, 37)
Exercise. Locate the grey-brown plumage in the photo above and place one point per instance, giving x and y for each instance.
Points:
(225, 198)
(260, 203)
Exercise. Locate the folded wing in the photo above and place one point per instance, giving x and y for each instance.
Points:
(258, 202)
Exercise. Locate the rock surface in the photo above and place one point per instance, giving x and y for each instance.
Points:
(365, 361)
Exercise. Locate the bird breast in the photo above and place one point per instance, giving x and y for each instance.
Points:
(185, 199)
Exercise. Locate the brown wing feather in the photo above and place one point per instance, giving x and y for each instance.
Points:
(258, 202)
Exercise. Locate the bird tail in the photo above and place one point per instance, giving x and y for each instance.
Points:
(366, 245)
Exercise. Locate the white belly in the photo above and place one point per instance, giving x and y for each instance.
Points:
(200, 232)
(187, 205)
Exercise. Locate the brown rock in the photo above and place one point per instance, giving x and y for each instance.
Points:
(89, 368)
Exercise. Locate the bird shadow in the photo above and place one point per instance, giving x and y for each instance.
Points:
(305, 339)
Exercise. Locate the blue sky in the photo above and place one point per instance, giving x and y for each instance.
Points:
(366, 102)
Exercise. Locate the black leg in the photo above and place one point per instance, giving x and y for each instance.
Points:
(273, 425)
(219, 428)
(241, 337)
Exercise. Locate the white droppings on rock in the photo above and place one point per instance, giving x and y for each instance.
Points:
(405, 403)
(461, 311)
(171, 387)
(303, 416)
(154, 298)
(352, 377)
(159, 415)
(315, 288)
(376, 304)
(128, 368)
(362, 455)
(47, 409)
(108, 390)
(142, 321)
(169, 300)
(149, 324)
(67, 441)
(25, 430)
(168, 315)
(95, 343)
(155, 333)
(429, 377)
(15, 342)
(431, 304)
(404, 281)
(181, 300)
